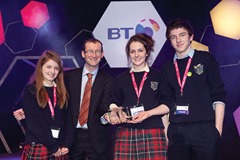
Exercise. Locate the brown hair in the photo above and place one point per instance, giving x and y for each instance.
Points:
(91, 40)
(145, 39)
(179, 23)
(38, 80)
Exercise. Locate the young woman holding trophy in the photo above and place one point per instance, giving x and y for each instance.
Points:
(136, 107)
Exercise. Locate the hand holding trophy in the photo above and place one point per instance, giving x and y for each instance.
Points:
(117, 116)
(123, 114)
(113, 116)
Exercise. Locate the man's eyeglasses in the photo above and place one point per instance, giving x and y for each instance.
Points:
(91, 52)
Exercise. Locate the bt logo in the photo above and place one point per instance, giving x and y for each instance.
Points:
(116, 27)
(115, 33)
(147, 30)
(146, 26)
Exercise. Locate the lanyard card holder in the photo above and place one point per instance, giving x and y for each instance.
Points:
(181, 109)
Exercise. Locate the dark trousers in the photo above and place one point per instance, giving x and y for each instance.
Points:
(193, 141)
(83, 149)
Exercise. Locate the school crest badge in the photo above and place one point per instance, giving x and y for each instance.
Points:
(154, 85)
(198, 69)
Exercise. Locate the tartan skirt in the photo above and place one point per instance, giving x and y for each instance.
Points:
(39, 152)
(140, 144)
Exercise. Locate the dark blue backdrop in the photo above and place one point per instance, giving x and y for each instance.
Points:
(70, 18)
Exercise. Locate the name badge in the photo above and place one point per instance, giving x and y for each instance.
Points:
(55, 132)
(182, 109)
(135, 110)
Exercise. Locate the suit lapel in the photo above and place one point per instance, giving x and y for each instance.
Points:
(76, 92)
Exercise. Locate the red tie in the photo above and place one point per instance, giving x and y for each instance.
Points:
(83, 115)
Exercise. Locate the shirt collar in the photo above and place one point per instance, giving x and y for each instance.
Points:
(145, 69)
(190, 54)
(85, 71)
(45, 84)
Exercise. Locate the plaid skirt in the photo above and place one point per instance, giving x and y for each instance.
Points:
(140, 144)
(39, 152)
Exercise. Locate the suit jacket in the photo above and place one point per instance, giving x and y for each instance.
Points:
(99, 104)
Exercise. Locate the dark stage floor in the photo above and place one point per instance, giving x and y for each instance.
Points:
(10, 156)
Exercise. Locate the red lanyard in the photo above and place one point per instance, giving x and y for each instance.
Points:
(54, 102)
(181, 84)
(138, 91)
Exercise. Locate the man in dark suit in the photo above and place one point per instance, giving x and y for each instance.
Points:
(92, 140)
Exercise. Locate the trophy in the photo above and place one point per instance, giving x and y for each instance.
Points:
(127, 112)
(119, 115)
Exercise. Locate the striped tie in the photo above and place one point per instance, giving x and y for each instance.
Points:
(83, 115)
